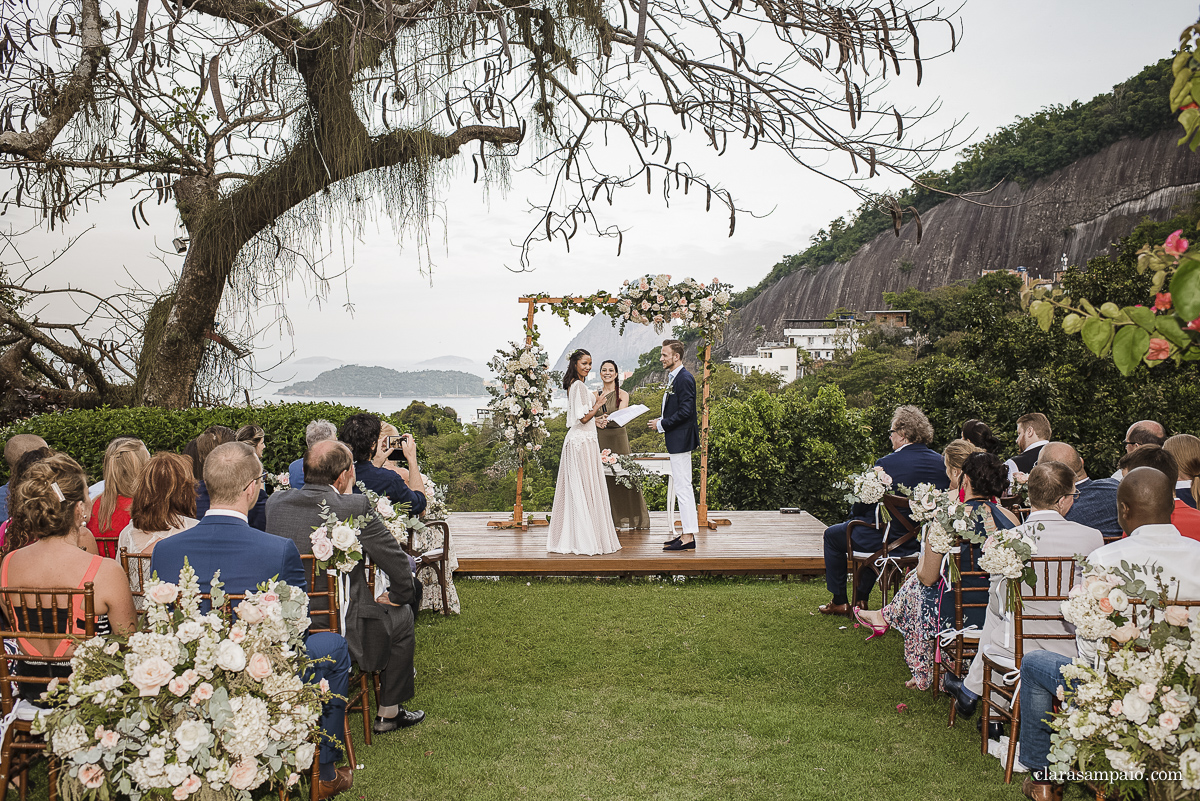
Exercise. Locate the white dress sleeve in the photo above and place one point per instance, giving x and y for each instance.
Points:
(577, 402)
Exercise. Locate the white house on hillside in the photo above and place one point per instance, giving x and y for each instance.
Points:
(772, 357)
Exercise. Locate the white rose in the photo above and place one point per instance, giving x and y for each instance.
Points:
(230, 656)
(1135, 708)
(189, 631)
(151, 675)
(343, 537)
(322, 549)
(960, 525)
(1122, 761)
(1189, 766)
(1099, 589)
(304, 755)
(1118, 599)
(191, 735)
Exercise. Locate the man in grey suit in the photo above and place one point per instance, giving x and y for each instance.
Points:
(1051, 493)
(379, 631)
(1096, 506)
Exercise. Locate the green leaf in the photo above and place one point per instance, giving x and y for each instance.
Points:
(1086, 305)
(1129, 348)
(1185, 289)
(1170, 330)
(1097, 333)
(1110, 310)
(1141, 315)
(1072, 324)
(1043, 312)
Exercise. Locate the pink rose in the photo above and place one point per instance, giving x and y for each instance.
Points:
(1176, 615)
(179, 686)
(1115, 708)
(293, 778)
(1169, 721)
(269, 598)
(237, 634)
(324, 685)
(1176, 245)
(1106, 606)
(1159, 350)
(151, 675)
(323, 550)
(284, 480)
(319, 533)
(249, 612)
(259, 667)
(92, 776)
(202, 693)
(243, 774)
(190, 676)
(1126, 633)
(163, 594)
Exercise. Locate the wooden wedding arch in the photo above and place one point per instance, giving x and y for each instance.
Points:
(518, 519)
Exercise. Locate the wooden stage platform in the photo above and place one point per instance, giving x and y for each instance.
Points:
(756, 543)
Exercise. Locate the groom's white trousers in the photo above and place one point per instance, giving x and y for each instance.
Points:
(681, 475)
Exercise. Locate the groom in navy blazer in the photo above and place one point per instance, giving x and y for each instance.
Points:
(678, 425)
(246, 557)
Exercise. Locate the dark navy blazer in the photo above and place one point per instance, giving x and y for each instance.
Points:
(385, 482)
(911, 465)
(1096, 506)
(245, 556)
(679, 415)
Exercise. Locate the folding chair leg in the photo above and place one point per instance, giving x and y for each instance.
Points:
(1014, 727)
(53, 777)
(366, 707)
(349, 742)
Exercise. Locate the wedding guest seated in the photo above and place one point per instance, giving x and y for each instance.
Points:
(1184, 518)
(910, 463)
(979, 434)
(11, 536)
(314, 432)
(916, 610)
(164, 504)
(255, 437)
(209, 440)
(1033, 432)
(379, 631)
(1144, 505)
(1186, 450)
(1096, 504)
(1051, 494)
(50, 501)
(246, 557)
(1143, 432)
(364, 435)
(123, 462)
(16, 447)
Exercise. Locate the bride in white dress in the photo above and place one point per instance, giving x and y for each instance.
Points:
(582, 520)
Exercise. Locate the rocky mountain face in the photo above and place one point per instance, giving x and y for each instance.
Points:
(1078, 211)
(605, 341)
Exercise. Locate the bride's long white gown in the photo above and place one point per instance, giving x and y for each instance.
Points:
(582, 520)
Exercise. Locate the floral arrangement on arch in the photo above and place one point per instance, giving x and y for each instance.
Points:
(522, 404)
(654, 300)
(1135, 709)
(197, 706)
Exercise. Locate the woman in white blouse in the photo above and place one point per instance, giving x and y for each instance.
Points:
(164, 503)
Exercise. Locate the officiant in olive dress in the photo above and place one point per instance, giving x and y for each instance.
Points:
(628, 506)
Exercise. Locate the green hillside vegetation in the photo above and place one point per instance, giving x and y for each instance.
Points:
(355, 381)
(1024, 151)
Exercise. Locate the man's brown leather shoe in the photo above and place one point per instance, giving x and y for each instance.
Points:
(1042, 791)
(340, 783)
(834, 609)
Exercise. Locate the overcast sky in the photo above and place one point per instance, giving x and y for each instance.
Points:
(1014, 57)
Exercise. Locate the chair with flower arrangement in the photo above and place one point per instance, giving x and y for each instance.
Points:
(361, 682)
(437, 559)
(1039, 604)
(27, 667)
(889, 567)
(970, 594)
(137, 567)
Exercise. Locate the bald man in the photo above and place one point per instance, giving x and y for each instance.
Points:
(1096, 506)
(1145, 502)
(17, 446)
(1143, 432)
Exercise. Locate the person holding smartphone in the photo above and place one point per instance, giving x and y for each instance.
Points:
(373, 448)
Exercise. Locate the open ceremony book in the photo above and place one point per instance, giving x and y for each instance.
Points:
(622, 416)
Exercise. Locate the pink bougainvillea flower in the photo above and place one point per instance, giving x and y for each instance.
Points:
(901, 707)
(1162, 302)
(1159, 350)
(1176, 245)
(1194, 325)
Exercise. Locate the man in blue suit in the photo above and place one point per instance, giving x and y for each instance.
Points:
(1096, 505)
(910, 463)
(678, 425)
(246, 557)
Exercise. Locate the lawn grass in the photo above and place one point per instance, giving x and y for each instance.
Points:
(704, 689)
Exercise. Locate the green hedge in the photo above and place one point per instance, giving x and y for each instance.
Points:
(85, 433)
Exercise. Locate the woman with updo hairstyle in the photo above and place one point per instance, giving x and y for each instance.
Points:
(123, 462)
(924, 604)
(1186, 450)
(979, 434)
(51, 502)
(209, 439)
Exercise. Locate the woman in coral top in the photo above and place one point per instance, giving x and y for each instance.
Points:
(123, 463)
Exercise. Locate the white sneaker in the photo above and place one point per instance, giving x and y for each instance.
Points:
(999, 749)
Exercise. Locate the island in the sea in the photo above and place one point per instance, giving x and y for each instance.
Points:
(356, 381)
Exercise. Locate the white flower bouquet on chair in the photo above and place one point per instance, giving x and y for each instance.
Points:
(197, 706)
(945, 520)
(334, 543)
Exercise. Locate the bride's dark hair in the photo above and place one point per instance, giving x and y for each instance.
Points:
(617, 380)
(572, 373)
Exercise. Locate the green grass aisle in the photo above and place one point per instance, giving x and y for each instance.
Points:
(705, 689)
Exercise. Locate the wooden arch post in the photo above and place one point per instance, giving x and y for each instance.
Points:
(518, 516)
